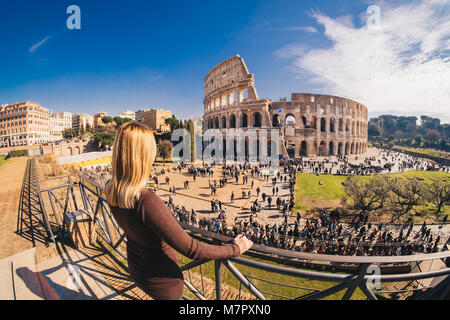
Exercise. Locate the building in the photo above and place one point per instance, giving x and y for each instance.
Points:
(23, 124)
(64, 148)
(59, 122)
(98, 119)
(128, 114)
(309, 124)
(154, 119)
(82, 120)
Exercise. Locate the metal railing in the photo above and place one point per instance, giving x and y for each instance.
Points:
(80, 193)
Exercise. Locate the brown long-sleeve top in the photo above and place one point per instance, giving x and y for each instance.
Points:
(152, 232)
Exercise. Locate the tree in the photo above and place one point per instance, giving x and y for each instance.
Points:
(191, 129)
(104, 139)
(373, 130)
(429, 122)
(119, 121)
(173, 122)
(69, 134)
(82, 131)
(418, 141)
(367, 196)
(439, 194)
(399, 134)
(404, 195)
(107, 119)
(380, 126)
(433, 135)
(165, 149)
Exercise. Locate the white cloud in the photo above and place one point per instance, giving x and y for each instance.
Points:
(291, 50)
(308, 29)
(37, 45)
(403, 67)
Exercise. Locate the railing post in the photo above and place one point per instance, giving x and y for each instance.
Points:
(218, 278)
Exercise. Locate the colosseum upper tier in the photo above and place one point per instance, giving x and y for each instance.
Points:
(310, 124)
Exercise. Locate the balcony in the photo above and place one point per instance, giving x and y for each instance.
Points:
(275, 274)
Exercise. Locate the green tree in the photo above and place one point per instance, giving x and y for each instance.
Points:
(173, 122)
(190, 128)
(119, 120)
(104, 139)
(107, 119)
(88, 128)
(69, 134)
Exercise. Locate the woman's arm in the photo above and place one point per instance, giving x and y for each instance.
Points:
(157, 217)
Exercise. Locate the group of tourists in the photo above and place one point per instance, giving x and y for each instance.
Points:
(326, 234)
(386, 162)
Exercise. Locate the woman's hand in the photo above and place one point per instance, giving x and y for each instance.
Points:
(243, 243)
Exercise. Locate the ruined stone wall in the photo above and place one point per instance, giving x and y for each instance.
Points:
(321, 125)
(309, 124)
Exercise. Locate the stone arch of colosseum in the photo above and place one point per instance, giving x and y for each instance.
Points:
(309, 124)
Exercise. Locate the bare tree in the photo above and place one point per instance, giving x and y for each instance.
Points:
(404, 195)
(367, 196)
(380, 126)
(438, 193)
(165, 149)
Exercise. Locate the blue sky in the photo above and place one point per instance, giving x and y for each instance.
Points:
(137, 53)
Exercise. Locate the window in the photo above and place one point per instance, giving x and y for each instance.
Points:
(312, 98)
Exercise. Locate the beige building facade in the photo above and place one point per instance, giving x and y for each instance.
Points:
(154, 119)
(59, 122)
(24, 124)
(98, 119)
(128, 114)
(308, 124)
(80, 120)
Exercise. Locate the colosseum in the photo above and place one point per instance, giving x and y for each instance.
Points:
(310, 124)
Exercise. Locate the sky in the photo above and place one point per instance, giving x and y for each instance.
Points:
(139, 54)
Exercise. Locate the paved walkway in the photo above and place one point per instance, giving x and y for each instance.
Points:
(198, 196)
(11, 177)
(69, 276)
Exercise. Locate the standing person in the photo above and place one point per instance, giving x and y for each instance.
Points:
(151, 230)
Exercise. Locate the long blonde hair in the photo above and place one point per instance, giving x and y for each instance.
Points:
(134, 150)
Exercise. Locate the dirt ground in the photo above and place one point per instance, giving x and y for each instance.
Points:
(11, 176)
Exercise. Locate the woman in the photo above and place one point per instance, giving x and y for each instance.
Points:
(149, 226)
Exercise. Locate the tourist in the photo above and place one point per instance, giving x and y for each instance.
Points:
(146, 220)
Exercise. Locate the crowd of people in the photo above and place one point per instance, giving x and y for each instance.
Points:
(326, 234)
(386, 162)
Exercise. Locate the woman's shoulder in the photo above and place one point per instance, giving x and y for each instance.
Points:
(148, 195)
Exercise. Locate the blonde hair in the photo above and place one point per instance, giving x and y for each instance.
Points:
(134, 150)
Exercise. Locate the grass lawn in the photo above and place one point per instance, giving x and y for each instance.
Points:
(2, 160)
(309, 194)
(430, 152)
